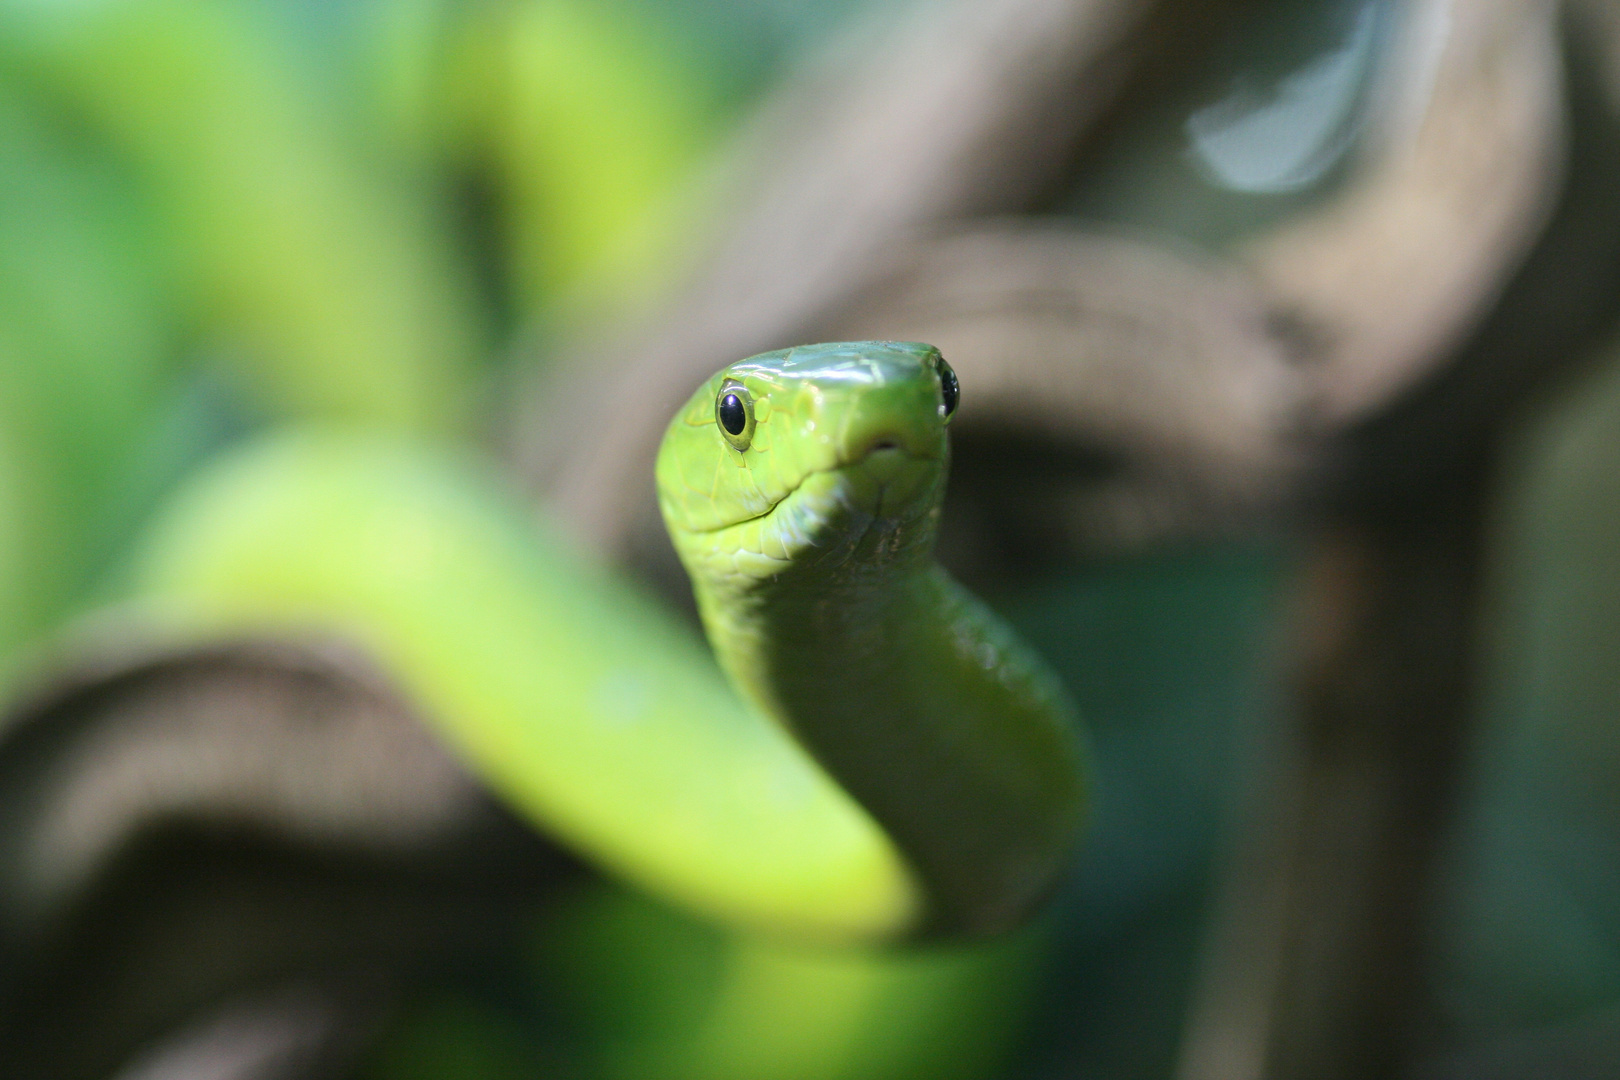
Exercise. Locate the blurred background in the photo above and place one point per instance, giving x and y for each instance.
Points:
(1291, 437)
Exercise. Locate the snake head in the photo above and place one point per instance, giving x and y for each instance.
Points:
(802, 491)
(826, 432)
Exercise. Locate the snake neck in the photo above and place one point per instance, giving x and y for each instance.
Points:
(919, 702)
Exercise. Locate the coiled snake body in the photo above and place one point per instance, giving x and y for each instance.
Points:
(943, 784)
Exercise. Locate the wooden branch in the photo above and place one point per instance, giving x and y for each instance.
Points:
(1460, 177)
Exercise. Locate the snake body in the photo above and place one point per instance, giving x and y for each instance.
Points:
(810, 546)
(943, 784)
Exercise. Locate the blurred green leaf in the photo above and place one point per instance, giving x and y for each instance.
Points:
(86, 334)
(590, 121)
(330, 280)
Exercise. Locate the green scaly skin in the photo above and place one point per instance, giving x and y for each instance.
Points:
(943, 786)
(811, 556)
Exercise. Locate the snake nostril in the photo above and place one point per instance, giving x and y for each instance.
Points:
(886, 444)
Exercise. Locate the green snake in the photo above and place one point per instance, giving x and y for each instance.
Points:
(887, 761)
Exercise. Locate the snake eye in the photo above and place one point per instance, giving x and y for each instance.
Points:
(734, 413)
(949, 391)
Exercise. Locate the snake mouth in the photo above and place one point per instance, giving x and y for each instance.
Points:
(876, 481)
(884, 481)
